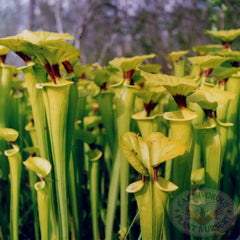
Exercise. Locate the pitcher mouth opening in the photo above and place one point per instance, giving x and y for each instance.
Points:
(51, 84)
(179, 117)
(143, 116)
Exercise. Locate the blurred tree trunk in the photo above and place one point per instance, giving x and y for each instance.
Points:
(58, 18)
(31, 8)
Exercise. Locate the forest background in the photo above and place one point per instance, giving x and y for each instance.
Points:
(104, 29)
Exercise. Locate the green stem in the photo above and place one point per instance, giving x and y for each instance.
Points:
(79, 159)
(32, 181)
(94, 197)
(232, 149)
(125, 105)
(70, 164)
(78, 165)
(112, 197)
(4, 166)
(232, 117)
(197, 144)
(71, 119)
(223, 130)
(197, 151)
(81, 107)
(3, 219)
(73, 197)
(21, 121)
(105, 101)
(14, 119)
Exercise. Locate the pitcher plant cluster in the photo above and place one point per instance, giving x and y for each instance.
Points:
(100, 152)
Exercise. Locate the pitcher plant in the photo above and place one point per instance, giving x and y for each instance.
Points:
(15, 167)
(152, 192)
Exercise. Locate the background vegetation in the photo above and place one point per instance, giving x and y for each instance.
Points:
(104, 29)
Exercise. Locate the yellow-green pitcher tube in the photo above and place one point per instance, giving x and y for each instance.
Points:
(211, 144)
(19, 114)
(197, 143)
(105, 102)
(151, 193)
(223, 127)
(36, 74)
(33, 177)
(15, 165)
(228, 165)
(125, 106)
(181, 129)
(147, 125)
(179, 68)
(43, 208)
(56, 101)
(42, 167)
(211, 157)
(33, 134)
(232, 151)
(6, 74)
(5, 87)
(152, 204)
(195, 70)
